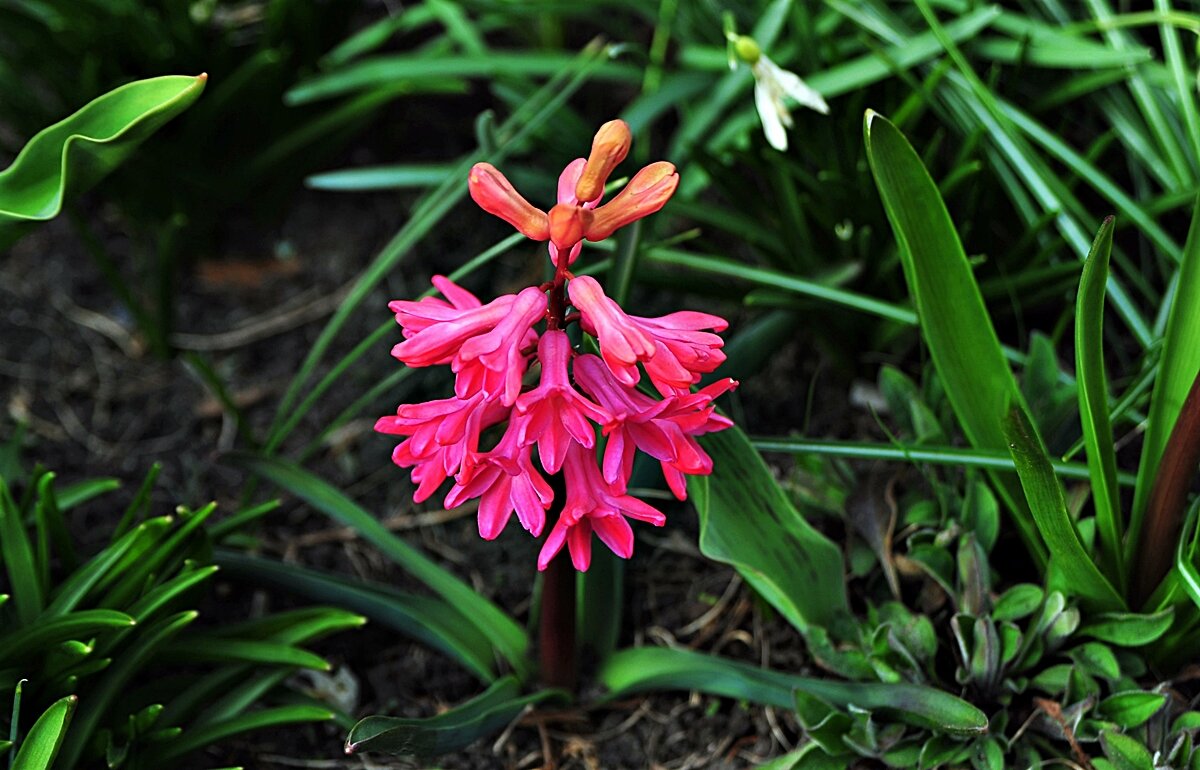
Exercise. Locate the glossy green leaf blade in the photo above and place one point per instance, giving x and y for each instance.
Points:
(429, 620)
(194, 740)
(1179, 364)
(74, 153)
(656, 668)
(748, 522)
(1093, 403)
(202, 649)
(16, 553)
(1128, 629)
(45, 738)
(507, 636)
(450, 731)
(1049, 508)
(954, 322)
(43, 633)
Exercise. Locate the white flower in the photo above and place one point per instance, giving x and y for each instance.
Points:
(771, 84)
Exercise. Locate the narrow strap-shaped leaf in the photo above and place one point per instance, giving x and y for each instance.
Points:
(954, 322)
(45, 738)
(1178, 367)
(17, 554)
(508, 637)
(1049, 509)
(450, 731)
(748, 522)
(1093, 403)
(41, 634)
(75, 153)
(656, 668)
(430, 620)
(194, 740)
(206, 649)
(124, 668)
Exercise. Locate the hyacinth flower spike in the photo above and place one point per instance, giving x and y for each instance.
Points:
(527, 405)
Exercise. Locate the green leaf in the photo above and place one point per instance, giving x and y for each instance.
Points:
(194, 740)
(1093, 402)
(506, 635)
(17, 554)
(1124, 752)
(77, 494)
(1179, 365)
(450, 731)
(655, 668)
(1131, 709)
(206, 649)
(1049, 507)
(430, 620)
(748, 522)
(1020, 601)
(43, 633)
(1128, 629)
(370, 178)
(45, 738)
(75, 153)
(954, 322)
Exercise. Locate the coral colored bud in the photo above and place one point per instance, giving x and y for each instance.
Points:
(646, 193)
(609, 148)
(567, 224)
(496, 195)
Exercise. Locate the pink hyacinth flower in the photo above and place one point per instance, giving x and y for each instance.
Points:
(567, 182)
(493, 363)
(622, 343)
(438, 329)
(591, 505)
(683, 350)
(663, 429)
(554, 414)
(505, 480)
(442, 436)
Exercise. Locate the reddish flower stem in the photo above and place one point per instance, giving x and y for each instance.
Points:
(556, 632)
(559, 663)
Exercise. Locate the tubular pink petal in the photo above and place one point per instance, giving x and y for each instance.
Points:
(614, 532)
(497, 196)
(579, 543)
(646, 193)
(457, 295)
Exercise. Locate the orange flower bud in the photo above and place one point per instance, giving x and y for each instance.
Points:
(567, 223)
(609, 148)
(496, 195)
(646, 193)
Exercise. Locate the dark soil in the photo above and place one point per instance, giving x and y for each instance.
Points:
(96, 403)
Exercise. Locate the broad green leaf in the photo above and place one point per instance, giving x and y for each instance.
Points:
(953, 319)
(655, 668)
(1127, 629)
(1124, 752)
(430, 620)
(1049, 508)
(1131, 709)
(450, 731)
(811, 757)
(45, 738)
(52, 630)
(1020, 601)
(73, 154)
(1093, 402)
(748, 522)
